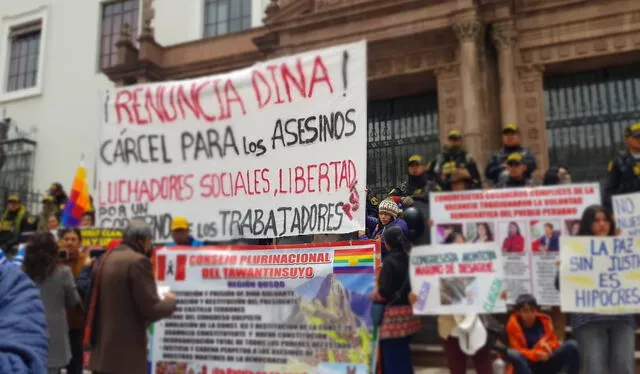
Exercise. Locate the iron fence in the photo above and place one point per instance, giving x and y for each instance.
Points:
(397, 129)
(586, 115)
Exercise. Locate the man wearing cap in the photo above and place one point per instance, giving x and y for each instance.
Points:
(49, 208)
(59, 196)
(15, 221)
(181, 233)
(623, 174)
(455, 156)
(497, 168)
(516, 173)
(419, 183)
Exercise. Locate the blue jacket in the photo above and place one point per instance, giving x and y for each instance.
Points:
(379, 228)
(24, 348)
(18, 259)
(193, 242)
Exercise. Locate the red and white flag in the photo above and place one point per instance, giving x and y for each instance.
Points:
(171, 268)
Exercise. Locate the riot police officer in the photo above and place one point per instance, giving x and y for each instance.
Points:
(497, 168)
(15, 221)
(623, 174)
(419, 182)
(455, 156)
(516, 173)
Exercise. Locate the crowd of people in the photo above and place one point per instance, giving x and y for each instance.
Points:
(65, 299)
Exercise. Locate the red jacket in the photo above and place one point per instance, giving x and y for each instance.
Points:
(518, 341)
(513, 244)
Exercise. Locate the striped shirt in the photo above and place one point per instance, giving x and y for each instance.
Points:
(18, 259)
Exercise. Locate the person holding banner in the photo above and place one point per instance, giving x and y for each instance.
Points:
(533, 345)
(181, 234)
(393, 289)
(124, 301)
(607, 341)
(388, 212)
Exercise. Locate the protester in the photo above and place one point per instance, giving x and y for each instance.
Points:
(623, 173)
(607, 342)
(88, 219)
(556, 175)
(124, 302)
(15, 221)
(48, 209)
(454, 156)
(460, 180)
(75, 259)
(534, 346)
(388, 216)
(448, 329)
(58, 292)
(516, 173)
(511, 143)
(181, 234)
(23, 326)
(59, 196)
(393, 288)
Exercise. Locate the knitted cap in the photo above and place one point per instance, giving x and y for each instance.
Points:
(389, 207)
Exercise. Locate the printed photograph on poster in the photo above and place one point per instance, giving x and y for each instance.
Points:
(458, 290)
(512, 237)
(545, 236)
(446, 233)
(480, 232)
(572, 227)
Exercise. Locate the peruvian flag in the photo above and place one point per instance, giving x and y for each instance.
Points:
(171, 268)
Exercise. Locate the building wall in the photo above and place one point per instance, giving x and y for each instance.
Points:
(64, 111)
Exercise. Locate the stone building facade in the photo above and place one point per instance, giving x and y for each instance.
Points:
(480, 63)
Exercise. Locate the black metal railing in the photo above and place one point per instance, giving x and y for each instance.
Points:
(397, 129)
(586, 115)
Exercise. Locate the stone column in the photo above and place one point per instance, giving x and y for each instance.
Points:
(469, 32)
(530, 99)
(450, 111)
(504, 38)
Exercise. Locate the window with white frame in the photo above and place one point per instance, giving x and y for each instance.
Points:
(226, 16)
(24, 56)
(115, 14)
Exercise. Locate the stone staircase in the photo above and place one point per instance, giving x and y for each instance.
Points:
(428, 355)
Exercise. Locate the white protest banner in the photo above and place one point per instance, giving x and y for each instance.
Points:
(457, 279)
(626, 209)
(526, 223)
(252, 310)
(600, 275)
(277, 149)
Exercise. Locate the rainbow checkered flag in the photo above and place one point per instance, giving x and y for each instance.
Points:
(78, 202)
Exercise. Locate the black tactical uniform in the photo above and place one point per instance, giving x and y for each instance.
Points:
(495, 166)
(509, 182)
(15, 223)
(623, 174)
(455, 157)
